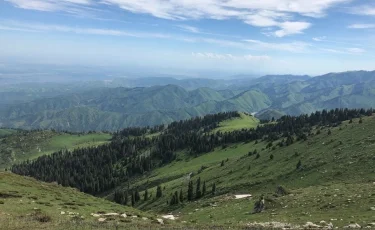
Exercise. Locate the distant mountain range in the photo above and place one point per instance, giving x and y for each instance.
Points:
(151, 101)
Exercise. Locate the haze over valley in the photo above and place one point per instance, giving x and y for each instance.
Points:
(186, 114)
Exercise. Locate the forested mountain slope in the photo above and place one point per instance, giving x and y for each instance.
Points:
(19, 145)
(325, 161)
(115, 108)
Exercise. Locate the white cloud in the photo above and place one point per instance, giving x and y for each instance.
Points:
(248, 57)
(49, 5)
(355, 50)
(36, 27)
(319, 39)
(188, 28)
(361, 26)
(288, 28)
(368, 10)
(238, 44)
(344, 51)
(280, 15)
(295, 47)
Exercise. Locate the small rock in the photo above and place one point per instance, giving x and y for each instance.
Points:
(62, 213)
(101, 219)
(160, 221)
(311, 225)
(134, 216)
(111, 214)
(95, 215)
(144, 218)
(353, 226)
(124, 215)
(372, 208)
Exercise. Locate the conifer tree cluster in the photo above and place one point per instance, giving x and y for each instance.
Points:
(130, 153)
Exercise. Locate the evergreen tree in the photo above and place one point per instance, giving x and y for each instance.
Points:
(126, 198)
(181, 196)
(173, 200)
(190, 191)
(299, 164)
(222, 163)
(271, 157)
(145, 195)
(177, 198)
(133, 199)
(137, 196)
(198, 192)
(159, 192)
(213, 190)
(204, 188)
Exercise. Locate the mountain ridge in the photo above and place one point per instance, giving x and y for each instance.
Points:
(115, 108)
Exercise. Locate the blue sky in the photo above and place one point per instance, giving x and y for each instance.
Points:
(234, 36)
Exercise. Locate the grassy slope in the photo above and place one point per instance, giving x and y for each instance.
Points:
(243, 122)
(336, 181)
(30, 145)
(6, 132)
(23, 200)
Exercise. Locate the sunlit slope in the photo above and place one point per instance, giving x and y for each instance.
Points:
(334, 180)
(26, 203)
(20, 145)
(245, 121)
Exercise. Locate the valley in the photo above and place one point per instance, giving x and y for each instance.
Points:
(98, 107)
(326, 176)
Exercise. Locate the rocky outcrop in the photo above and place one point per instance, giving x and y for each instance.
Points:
(355, 225)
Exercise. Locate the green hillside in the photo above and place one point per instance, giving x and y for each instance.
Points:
(6, 132)
(116, 108)
(50, 206)
(245, 121)
(20, 145)
(325, 171)
(334, 183)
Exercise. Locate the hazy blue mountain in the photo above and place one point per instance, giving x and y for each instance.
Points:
(94, 107)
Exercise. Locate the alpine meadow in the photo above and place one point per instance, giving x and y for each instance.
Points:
(184, 114)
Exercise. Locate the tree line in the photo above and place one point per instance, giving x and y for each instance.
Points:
(98, 169)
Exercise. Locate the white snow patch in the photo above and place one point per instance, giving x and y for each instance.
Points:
(242, 196)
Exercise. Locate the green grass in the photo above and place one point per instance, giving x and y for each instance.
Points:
(23, 201)
(6, 132)
(341, 163)
(69, 141)
(26, 203)
(23, 145)
(243, 122)
(335, 183)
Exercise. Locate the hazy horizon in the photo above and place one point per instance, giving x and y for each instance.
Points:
(193, 38)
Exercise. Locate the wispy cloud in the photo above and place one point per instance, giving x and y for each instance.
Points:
(79, 8)
(368, 10)
(278, 15)
(344, 51)
(295, 47)
(248, 57)
(37, 27)
(361, 26)
(319, 39)
(190, 29)
(355, 50)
